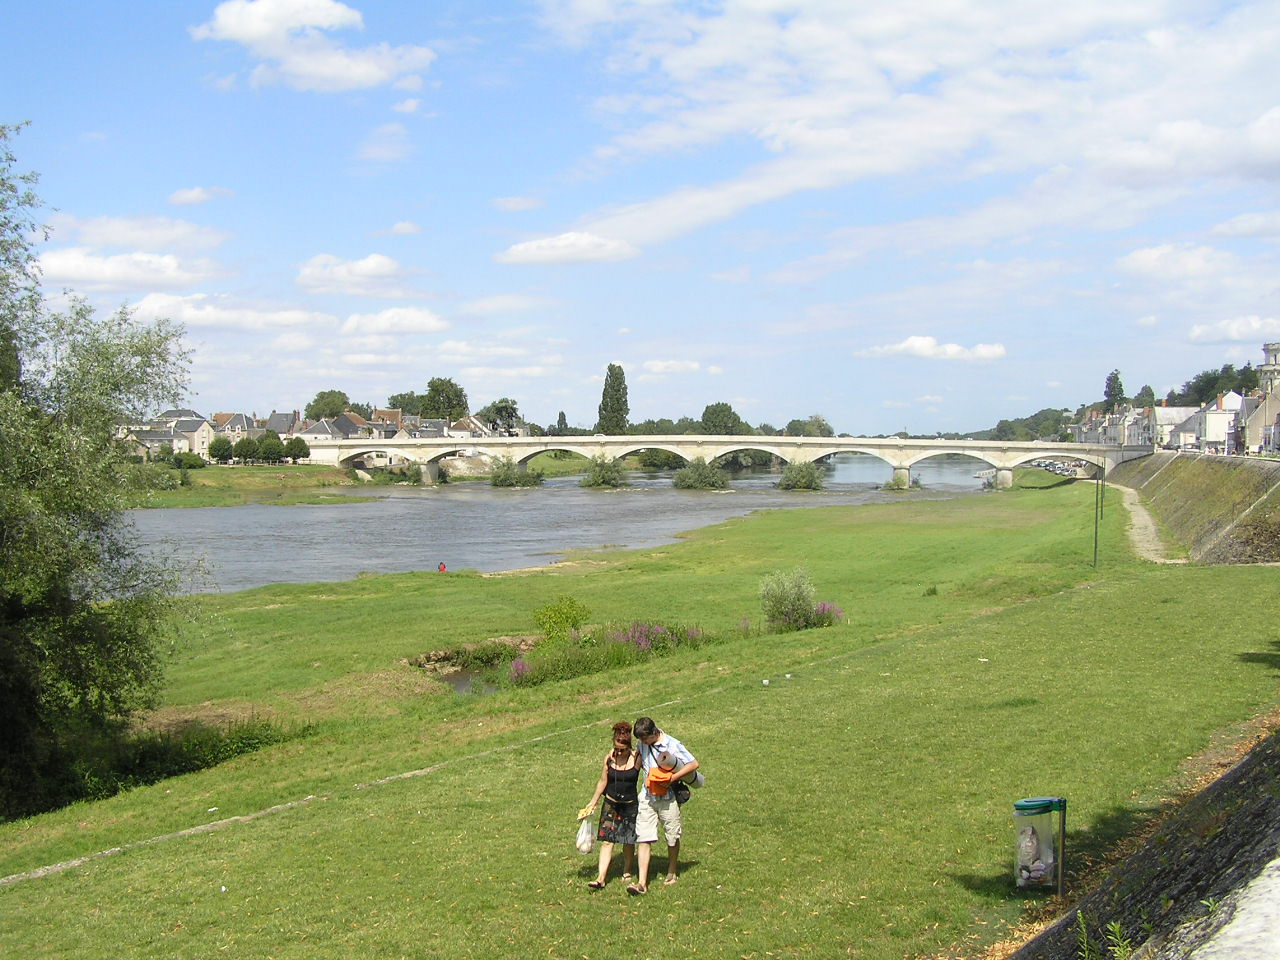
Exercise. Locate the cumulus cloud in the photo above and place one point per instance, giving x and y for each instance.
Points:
(138, 232)
(1250, 329)
(191, 196)
(81, 268)
(395, 320)
(376, 275)
(407, 106)
(930, 348)
(404, 228)
(517, 204)
(573, 247)
(205, 310)
(290, 42)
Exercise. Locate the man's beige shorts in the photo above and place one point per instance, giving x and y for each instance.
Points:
(653, 809)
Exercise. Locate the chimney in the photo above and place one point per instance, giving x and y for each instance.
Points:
(1219, 401)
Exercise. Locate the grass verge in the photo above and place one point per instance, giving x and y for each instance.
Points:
(859, 807)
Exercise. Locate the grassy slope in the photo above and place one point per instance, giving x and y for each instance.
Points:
(860, 808)
(232, 486)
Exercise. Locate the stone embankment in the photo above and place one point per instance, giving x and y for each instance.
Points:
(1217, 509)
(1206, 884)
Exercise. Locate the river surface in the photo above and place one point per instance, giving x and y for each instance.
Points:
(473, 525)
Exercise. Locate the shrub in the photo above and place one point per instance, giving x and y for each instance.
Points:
(188, 461)
(700, 475)
(149, 476)
(603, 471)
(801, 476)
(608, 648)
(558, 618)
(507, 473)
(786, 597)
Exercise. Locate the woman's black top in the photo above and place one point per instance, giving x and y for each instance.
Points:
(621, 788)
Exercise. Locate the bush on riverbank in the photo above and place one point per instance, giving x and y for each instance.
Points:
(700, 475)
(507, 473)
(801, 476)
(607, 648)
(604, 471)
(787, 597)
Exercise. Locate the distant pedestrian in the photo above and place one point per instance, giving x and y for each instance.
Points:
(441, 568)
(663, 759)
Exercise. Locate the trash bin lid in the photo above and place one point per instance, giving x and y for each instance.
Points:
(1034, 805)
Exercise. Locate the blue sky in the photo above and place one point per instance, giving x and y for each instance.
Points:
(922, 216)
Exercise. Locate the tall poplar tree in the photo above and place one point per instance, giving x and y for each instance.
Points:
(613, 402)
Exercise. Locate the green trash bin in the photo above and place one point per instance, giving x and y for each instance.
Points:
(1038, 847)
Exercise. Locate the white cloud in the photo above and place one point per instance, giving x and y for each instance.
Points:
(670, 366)
(1251, 225)
(407, 106)
(395, 320)
(191, 196)
(511, 373)
(1176, 261)
(205, 310)
(386, 144)
(930, 348)
(404, 228)
(81, 268)
(139, 232)
(466, 352)
(835, 93)
(377, 275)
(517, 204)
(1150, 320)
(289, 41)
(1253, 329)
(573, 247)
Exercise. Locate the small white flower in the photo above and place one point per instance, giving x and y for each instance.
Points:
(213, 810)
(787, 675)
(766, 682)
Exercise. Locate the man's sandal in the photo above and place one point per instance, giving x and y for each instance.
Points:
(635, 889)
(596, 884)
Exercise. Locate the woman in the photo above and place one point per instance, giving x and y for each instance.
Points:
(618, 780)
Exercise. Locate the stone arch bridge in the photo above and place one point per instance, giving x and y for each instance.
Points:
(901, 455)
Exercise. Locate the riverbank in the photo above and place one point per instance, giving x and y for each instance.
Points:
(980, 649)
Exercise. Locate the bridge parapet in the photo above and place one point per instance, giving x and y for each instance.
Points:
(900, 454)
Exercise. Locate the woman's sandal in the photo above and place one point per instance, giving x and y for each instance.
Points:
(635, 889)
(596, 884)
(671, 878)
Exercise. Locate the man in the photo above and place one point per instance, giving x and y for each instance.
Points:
(658, 805)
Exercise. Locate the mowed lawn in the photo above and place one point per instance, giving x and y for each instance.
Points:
(860, 807)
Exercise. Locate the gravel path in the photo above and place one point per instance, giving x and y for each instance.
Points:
(1143, 534)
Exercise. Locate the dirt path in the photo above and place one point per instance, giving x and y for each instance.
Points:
(1143, 534)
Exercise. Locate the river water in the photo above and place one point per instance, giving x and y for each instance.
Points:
(473, 525)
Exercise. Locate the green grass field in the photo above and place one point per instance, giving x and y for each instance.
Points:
(860, 807)
(233, 486)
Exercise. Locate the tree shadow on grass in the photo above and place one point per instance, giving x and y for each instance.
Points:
(1086, 850)
(1271, 660)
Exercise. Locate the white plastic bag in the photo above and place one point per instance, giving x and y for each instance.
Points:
(586, 837)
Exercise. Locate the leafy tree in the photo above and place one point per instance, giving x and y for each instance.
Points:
(295, 448)
(805, 475)
(507, 473)
(327, 405)
(1146, 397)
(245, 449)
(562, 424)
(220, 449)
(654, 459)
(814, 426)
(1112, 392)
(82, 610)
(503, 413)
(363, 409)
(613, 402)
(649, 428)
(700, 475)
(603, 471)
(445, 400)
(408, 402)
(270, 447)
(720, 419)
